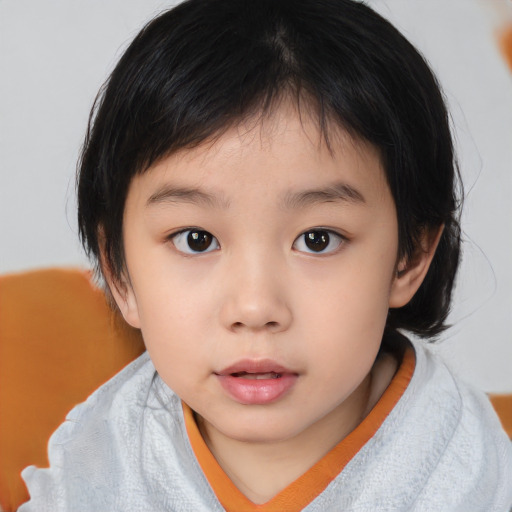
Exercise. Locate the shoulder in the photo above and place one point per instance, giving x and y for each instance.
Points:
(116, 402)
(124, 449)
(472, 462)
(89, 451)
(440, 448)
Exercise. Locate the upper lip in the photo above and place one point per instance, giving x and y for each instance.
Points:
(254, 366)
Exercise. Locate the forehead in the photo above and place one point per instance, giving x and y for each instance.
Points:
(273, 154)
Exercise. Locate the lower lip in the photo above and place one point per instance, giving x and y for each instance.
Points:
(257, 391)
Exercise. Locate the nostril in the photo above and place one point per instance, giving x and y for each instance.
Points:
(268, 325)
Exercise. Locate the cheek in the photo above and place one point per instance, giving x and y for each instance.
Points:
(174, 338)
(170, 317)
(354, 293)
(173, 314)
(347, 323)
(347, 317)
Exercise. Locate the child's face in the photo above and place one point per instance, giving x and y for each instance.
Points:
(263, 253)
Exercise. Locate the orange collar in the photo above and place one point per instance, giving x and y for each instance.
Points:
(307, 487)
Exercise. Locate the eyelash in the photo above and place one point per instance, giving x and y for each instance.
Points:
(324, 238)
(179, 237)
(319, 235)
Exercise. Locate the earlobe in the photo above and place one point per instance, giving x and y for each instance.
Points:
(410, 272)
(124, 297)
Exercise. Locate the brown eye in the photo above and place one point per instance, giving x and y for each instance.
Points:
(317, 241)
(320, 241)
(199, 241)
(193, 241)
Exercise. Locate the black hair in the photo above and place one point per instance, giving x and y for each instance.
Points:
(206, 65)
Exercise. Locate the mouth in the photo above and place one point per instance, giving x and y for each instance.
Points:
(251, 382)
(256, 368)
(257, 376)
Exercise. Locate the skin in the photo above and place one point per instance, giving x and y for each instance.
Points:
(259, 292)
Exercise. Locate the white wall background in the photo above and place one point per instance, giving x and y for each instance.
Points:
(55, 54)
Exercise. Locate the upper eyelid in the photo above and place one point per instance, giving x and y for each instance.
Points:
(184, 230)
(332, 231)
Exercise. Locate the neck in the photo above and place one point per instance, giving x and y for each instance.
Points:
(262, 470)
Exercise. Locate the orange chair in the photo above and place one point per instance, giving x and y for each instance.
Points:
(503, 406)
(59, 340)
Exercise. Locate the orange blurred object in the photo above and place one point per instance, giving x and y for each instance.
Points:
(503, 406)
(59, 341)
(506, 45)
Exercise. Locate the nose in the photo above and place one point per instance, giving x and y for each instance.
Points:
(256, 297)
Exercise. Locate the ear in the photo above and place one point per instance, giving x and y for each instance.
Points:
(124, 296)
(411, 271)
(120, 289)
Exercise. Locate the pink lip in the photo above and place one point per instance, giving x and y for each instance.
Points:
(257, 391)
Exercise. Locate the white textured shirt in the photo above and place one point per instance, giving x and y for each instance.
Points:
(126, 449)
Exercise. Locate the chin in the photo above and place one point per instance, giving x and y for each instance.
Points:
(260, 430)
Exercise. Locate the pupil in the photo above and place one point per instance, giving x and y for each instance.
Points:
(317, 240)
(199, 240)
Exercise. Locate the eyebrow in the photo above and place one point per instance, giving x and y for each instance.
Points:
(338, 192)
(169, 194)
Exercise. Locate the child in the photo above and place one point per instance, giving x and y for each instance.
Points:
(269, 190)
